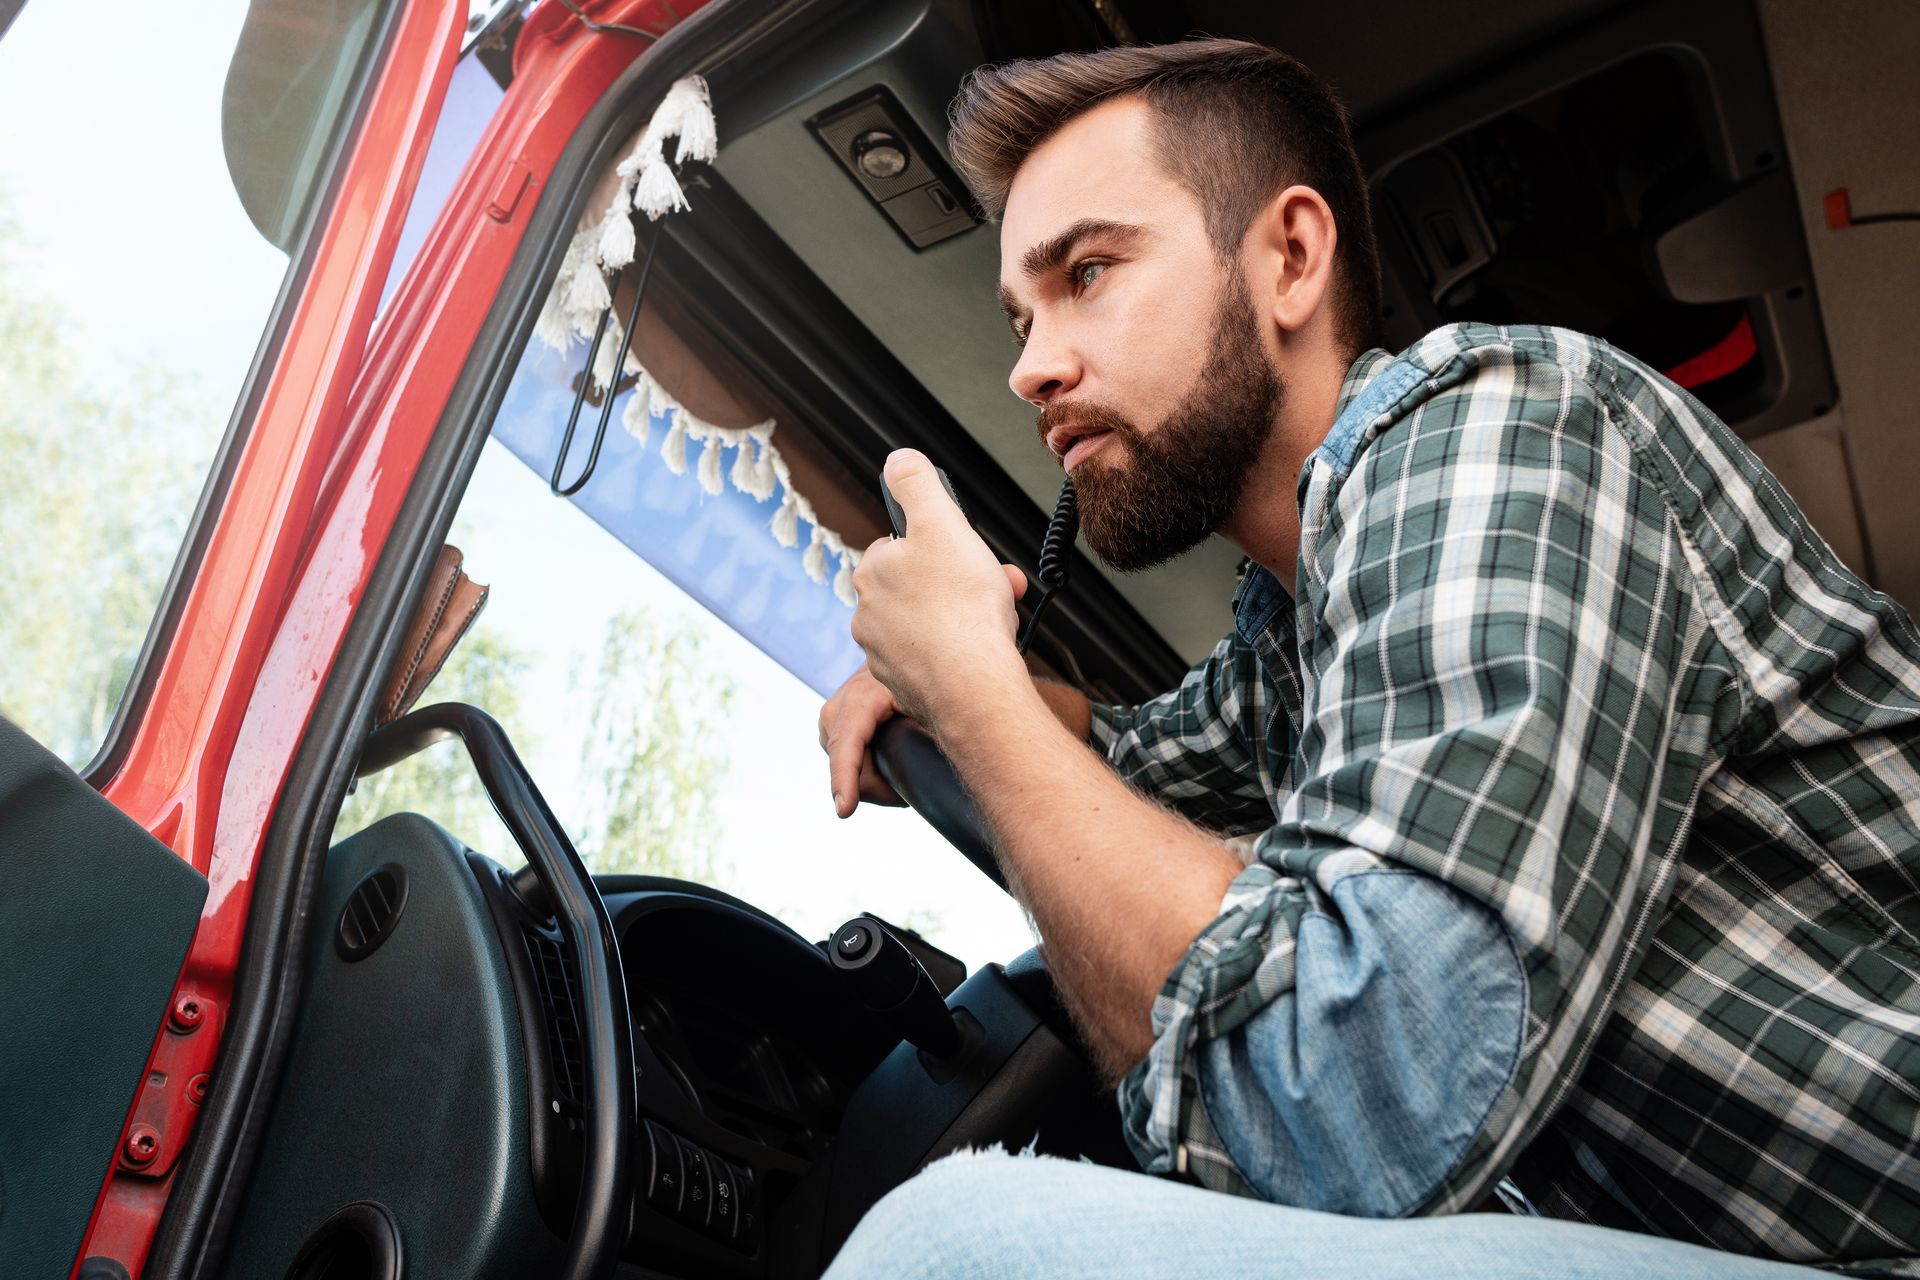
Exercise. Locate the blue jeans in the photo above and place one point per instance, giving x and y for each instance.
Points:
(993, 1216)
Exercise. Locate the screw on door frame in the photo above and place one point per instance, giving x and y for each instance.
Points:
(187, 1013)
(143, 1144)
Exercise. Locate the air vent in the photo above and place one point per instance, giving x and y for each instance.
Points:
(559, 982)
(372, 910)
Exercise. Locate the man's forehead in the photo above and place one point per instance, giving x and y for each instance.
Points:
(1100, 167)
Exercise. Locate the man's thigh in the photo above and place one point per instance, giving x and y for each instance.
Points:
(991, 1215)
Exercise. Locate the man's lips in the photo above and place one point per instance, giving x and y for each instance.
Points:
(1072, 441)
(1081, 447)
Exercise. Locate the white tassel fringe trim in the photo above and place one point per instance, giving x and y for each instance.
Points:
(605, 243)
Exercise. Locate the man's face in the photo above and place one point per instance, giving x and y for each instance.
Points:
(1143, 350)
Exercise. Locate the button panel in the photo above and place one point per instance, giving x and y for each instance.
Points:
(687, 1182)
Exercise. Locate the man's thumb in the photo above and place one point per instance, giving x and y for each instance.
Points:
(916, 486)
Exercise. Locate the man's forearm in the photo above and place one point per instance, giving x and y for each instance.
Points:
(1118, 886)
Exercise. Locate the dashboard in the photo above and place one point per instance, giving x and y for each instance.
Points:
(776, 1108)
(746, 1055)
(435, 1080)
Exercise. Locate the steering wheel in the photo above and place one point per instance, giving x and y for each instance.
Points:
(600, 1222)
(913, 764)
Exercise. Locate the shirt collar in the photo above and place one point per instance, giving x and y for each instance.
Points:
(1260, 595)
(1367, 366)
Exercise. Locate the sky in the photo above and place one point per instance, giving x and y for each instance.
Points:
(122, 197)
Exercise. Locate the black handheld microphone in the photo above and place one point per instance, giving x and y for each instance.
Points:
(1056, 548)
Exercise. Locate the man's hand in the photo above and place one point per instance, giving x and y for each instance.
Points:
(849, 719)
(1119, 886)
(936, 615)
(847, 724)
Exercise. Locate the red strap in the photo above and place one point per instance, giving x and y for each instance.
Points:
(1722, 358)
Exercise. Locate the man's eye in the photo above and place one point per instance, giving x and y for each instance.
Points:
(1085, 273)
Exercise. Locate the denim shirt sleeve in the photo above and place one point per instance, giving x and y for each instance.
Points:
(1358, 1090)
(1189, 748)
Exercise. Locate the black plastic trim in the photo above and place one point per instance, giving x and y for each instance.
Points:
(599, 1227)
(372, 1224)
(552, 1147)
(1719, 47)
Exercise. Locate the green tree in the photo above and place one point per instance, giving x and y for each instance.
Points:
(649, 781)
(100, 463)
(655, 712)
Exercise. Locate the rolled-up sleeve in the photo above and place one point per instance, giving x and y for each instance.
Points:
(1489, 798)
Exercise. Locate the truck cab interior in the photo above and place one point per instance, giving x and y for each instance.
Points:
(500, 1064)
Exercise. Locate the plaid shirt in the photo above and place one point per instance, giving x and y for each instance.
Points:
(1560, 643)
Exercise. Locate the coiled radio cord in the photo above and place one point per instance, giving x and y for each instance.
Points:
(1056, 554)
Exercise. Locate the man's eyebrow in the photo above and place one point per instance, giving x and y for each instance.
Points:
(1052, 253)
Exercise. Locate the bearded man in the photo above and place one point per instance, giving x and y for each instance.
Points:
(1584, 779)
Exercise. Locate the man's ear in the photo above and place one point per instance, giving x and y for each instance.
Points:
(1290, 253)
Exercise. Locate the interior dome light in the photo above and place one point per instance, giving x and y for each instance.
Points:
(879, 154)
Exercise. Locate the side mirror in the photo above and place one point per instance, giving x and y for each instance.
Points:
(295, 67)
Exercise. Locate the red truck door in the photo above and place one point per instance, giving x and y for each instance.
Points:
(127, 880)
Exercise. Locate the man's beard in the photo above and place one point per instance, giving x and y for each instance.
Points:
(1176, 485)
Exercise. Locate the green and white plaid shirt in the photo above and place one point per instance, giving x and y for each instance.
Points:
(1564, 657)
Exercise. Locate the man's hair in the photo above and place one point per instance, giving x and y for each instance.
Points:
(1235, 123)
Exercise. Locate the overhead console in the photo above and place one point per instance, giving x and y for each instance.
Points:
(901, 172)
(1629, 179)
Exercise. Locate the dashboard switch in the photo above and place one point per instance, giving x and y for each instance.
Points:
(696, 1200)
(668, 1177)
(726, 1201)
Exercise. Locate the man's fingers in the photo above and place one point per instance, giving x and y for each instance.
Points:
(847, 729)
(846, 751)
(1019, 581)
(916, 486)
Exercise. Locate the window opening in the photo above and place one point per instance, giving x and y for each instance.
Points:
(221, 129)
(657, 646)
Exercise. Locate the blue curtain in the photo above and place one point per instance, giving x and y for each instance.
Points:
(717, 548)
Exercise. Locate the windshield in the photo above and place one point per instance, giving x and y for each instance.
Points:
(664, 740)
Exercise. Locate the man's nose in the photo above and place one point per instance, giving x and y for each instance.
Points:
(1046, 370)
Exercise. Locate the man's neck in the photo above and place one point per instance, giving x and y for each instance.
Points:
(1266, 526)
